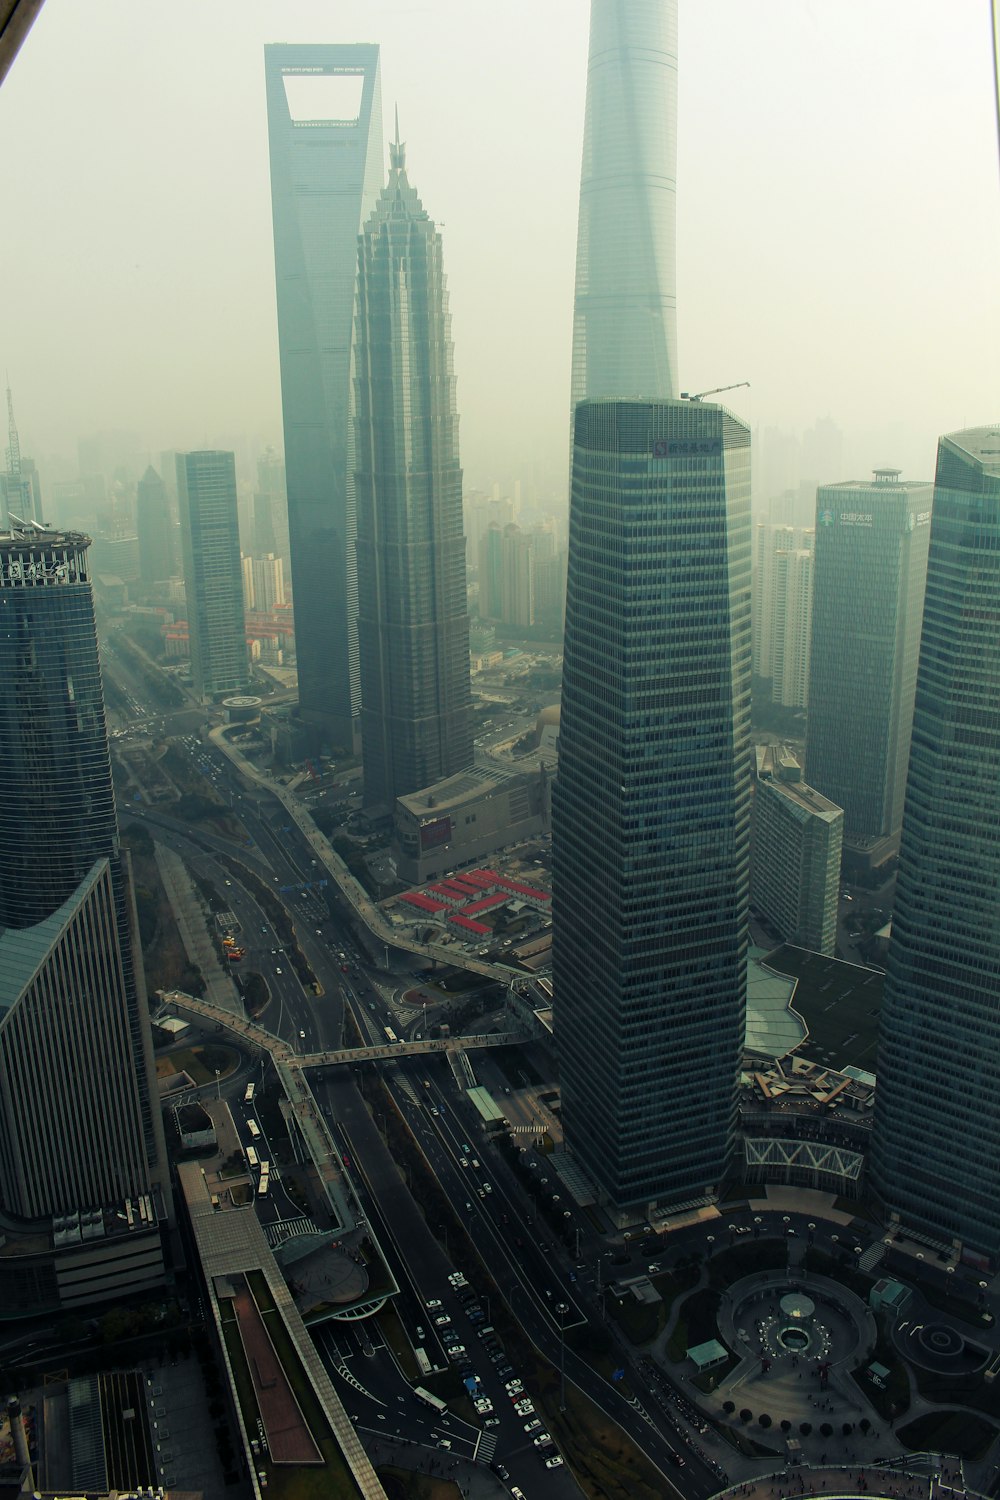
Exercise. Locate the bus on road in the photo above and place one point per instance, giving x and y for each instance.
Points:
(254, 1129)
(390, 1035)
(262, 1185)
(249, 1093)
(434, 1402)
(251, 1157)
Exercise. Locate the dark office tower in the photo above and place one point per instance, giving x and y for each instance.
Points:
(935, 1160)
(324, 115)
(651, 806)
(868, 594)
(213, 573)
(624, 320)
(78, 1121)
(154, 528)
(413, 622)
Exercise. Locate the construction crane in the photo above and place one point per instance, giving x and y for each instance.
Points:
(700, 395)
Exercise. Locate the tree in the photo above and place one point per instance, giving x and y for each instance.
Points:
(764, 1420)
(805, 1428)
(865, 1425)
(729, 1407)
(746, 1415)
(786, 1426)
(847, 1428)
(826, 1429)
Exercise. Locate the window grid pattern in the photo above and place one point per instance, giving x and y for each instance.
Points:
(936, 1142)
(651, 802)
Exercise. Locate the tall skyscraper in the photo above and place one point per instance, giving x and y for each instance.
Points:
(624, 319)
(79, 1123)
(324, 115)
(154, 528)
(935, 1157)
(868, 595)
(413, 621)
(213, 575)
(651, 805)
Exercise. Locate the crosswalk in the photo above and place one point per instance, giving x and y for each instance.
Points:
(872, 1256)
(289, 1229)
(486, 1447)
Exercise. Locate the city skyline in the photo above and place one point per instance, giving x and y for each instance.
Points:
(851, 163)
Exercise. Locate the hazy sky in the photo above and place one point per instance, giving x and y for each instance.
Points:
(838, 211)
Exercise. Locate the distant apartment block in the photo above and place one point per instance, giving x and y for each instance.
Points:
(782, 611)
(795, 848)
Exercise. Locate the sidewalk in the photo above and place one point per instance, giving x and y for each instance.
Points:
(187, 908)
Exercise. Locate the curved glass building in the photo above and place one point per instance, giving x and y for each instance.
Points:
(935, 1158)
(624, 320)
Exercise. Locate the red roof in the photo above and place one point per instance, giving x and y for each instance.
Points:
(524, 890)
(467, 923)
(423, 902)
(487, 902)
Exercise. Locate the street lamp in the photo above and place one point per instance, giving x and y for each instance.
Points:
(562, 1308)
(218, 1085)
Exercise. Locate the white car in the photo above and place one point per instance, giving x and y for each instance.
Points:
(442, 1321)
(542, 1440)
(524, 1408)
(514, 1387)
(432, 1304)
(533, 1425)
(554, 1461)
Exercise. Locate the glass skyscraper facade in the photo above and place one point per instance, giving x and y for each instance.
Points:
(651, 805)
(324, 115)
(213, 573)
(154, 528)
(413, 622)
(868, 592)
(624, 318)
(63, 880)
(935, 1157)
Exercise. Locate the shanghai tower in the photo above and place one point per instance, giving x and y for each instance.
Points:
(650, 809)
(624, 316)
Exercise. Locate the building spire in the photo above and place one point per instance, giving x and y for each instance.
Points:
(397, 150)
(13, 442)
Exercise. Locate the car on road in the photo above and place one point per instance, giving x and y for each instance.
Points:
(492, 1422)
(277, 970)
(302, 1036)
(524, 1408)
(542, 1440)
(432, 1304)
(554, 1461)
(514, 1387)
(457, 1353)
(516, 1492)
(463, 1161)
(533, 1425)
(442, 1321)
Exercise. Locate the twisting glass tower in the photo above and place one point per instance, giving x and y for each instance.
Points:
(936, 1143)
(413, 624)
(624, 319)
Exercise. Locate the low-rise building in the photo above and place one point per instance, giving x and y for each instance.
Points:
(466, 818)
